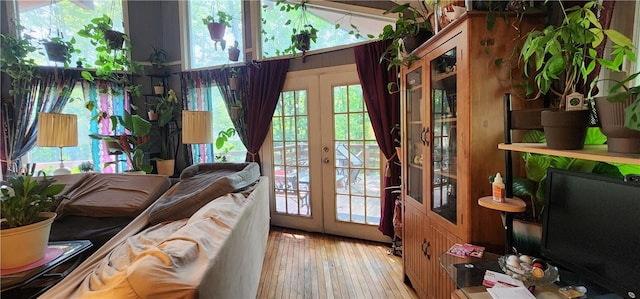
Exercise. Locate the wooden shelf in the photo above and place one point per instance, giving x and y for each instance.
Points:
(446, 120)
(445, 173)
(513, 205)
(440, 77)
(590, 152)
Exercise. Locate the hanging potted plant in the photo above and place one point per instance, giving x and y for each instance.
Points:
(234, 52)
(26, 218)
(113, 62)
(558, 57)
(412, 28)
(217, 27)
(59, 50)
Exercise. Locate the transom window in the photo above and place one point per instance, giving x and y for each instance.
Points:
(64, 18)
(204, 52)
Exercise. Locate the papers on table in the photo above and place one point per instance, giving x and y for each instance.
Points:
(510, 293)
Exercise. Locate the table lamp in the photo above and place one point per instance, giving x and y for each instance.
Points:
(197, 127)
(57, 130)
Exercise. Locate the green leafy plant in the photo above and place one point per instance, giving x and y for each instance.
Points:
(112, 63)
(24, 197)
(15, 63)
(222, 144)
(86, 166)
(411, 23)
(632, 112)
(566, 54)
(58, 46)
(165, 107)
(133, 142)
(158, 57)
(223, 18)
(303, 32)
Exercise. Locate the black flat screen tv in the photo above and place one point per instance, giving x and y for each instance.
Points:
(591, 227)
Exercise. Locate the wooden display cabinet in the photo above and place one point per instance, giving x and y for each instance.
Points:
(452, 119)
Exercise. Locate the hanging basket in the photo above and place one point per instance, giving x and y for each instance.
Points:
(115, 39)
(56, 52)
(216, 31)
(303, 41)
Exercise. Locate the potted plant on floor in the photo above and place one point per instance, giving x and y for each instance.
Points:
(26, 218)
(217, 27)
(165, 108)
(133, 143)
(558, 57)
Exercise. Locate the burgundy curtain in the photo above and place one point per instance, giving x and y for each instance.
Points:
(384, 112)
(266, 80)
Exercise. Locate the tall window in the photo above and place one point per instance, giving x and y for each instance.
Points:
(210, 99)
(204, 52)
(46, 19)
(278, 24)
(48, 158)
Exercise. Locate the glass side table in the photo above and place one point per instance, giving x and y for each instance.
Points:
(31, 283)
(468, 273)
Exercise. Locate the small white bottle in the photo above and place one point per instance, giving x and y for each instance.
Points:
(498, 188)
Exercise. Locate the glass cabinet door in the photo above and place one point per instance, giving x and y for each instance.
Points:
(415, 141)
(443, 127)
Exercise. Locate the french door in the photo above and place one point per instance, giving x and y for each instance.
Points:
(324, 159)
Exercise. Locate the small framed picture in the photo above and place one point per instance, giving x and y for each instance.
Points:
(575, 101)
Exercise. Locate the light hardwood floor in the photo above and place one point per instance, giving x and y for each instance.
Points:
(310, 265)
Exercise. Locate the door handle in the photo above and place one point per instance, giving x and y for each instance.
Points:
(428, 251)
(326, 161)
(423, 246)
(425, 137)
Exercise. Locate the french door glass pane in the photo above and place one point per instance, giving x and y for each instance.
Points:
(357, 159)
(290, 154)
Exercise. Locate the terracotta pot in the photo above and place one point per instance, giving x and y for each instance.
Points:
(24, 245)
(56, 52)
(158, 89)
(165, 167)
(565, 130)
(233, 83)
(234, 54)
(620, 139)
(216, 31)
(152, 115)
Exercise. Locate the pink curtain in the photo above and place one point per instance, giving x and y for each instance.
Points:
(109, 99)
(384, 112)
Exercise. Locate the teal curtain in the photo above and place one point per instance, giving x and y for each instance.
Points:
(197, 96)
(109, 100)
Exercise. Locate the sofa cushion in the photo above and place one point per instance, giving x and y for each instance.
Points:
(113, 195)
(200, 184)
